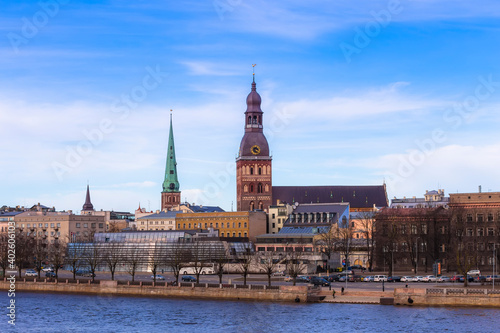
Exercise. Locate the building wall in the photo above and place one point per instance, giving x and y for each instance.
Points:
(156, 224)
(60, 225)
(253, 184)
(277, 217)
(229, 224)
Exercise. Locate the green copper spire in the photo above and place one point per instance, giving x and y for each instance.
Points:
(171, 184)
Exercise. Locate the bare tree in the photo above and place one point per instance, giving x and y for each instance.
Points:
(245, 260)
(345, 236)
(367, 220)
(74, 257)
(40, 253)
(220, 261)
(197, 258)
(268, 264)
(327, 243)
(57, 255)
(156, 258)
(177, 257)
(24, 245)
(463, 246)
(4, 253)
(92, 257)
(112, 255)
(295, 265)
(135, 256)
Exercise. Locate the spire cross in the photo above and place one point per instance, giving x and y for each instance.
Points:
(253, 71)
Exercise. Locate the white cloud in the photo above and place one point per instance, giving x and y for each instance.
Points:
(452, 167)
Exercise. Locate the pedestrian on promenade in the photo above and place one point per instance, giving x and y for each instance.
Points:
(342, 291)
(333, 293)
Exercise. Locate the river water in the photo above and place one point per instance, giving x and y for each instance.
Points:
(36, 312)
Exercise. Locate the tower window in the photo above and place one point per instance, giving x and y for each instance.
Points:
(171, 172)
(254, 119)
(259, 188)
(251, 188)
(260, 171)
(249, 120)
(251, 170)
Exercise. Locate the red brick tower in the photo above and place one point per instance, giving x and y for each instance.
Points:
(253, 165)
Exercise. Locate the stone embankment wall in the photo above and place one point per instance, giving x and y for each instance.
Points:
(186, 290)
(447, 297)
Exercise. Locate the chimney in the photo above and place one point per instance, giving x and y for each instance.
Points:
(479, 188)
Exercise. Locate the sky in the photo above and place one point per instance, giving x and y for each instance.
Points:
(353, 93)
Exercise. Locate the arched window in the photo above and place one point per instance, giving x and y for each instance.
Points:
(249, 120)
(261, 205)
(255, 119)
(267, 187)
(251, 170)
(169, 199)
(245, 188)
(260, 171)
(251, 188)
(259, 188)
(252, 205)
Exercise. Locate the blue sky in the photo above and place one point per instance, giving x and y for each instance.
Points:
(354, 93)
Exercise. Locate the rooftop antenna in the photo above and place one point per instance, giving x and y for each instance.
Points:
(231, 205)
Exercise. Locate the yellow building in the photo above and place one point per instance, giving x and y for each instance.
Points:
(229, 224)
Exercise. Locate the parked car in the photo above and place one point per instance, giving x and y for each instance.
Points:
(158, 277)
(380, 278)
(474, 272)
(490, 278)
(368, 278)
(355, 278)
(47, 269)
(288, 278)
(303, 278)
(30, 272)
(355, 267)
(469, 278)
(50, 274)
(333, 278)
(394, 279)
(279, 273)
(84, 273)
(319, 281)
(188, 278)
(406, 279)
(444, 279)
(429, 278)
(419, 278)
(456, 278)
(479, 278)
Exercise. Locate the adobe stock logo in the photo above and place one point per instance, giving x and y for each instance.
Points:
(32, 26)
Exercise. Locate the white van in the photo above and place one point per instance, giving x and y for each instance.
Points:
(474, 272)
(380, 278)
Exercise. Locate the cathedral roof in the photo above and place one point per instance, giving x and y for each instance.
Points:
(359, 196)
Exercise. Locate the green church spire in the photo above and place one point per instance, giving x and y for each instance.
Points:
(171, 184)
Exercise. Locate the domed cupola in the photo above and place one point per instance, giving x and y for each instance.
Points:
(254, 142)
(253, 100)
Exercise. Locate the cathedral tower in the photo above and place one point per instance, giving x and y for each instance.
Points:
(253, 165)
(170, 196)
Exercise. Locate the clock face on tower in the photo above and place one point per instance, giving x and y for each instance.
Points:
(255, 150)
(172, 186)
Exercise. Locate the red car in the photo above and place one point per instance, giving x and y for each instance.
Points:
(456, 278)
